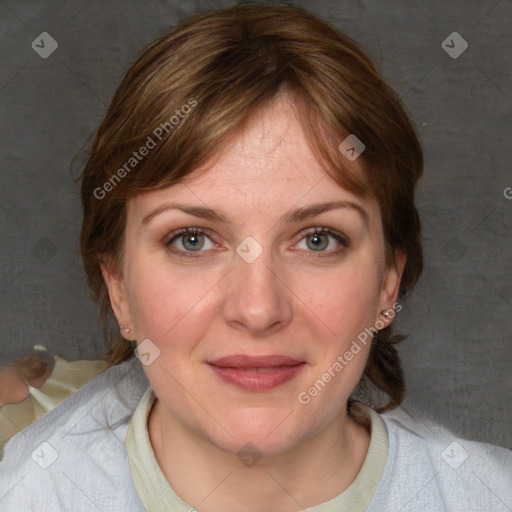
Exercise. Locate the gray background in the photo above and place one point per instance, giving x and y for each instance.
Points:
(458, 358)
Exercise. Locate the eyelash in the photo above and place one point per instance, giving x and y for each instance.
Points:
(340, 238)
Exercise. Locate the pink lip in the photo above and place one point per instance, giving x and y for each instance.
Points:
(256, 373)
(243, 361)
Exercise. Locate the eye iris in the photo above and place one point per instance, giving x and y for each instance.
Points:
(196, 241)
(317, 242)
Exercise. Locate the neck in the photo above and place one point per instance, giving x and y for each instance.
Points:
(208, 478)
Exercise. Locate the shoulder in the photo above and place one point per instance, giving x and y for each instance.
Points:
(76, 453)
(429, 468)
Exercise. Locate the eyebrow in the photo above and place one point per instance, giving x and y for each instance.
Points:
(295, 215)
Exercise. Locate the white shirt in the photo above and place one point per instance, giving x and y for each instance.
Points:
(75, 458)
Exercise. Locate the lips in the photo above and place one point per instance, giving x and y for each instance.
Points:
(241, 361)
(256, 373)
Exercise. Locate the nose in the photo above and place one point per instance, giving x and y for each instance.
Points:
(258, 299)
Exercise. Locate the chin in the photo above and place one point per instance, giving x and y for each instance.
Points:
(266, 434)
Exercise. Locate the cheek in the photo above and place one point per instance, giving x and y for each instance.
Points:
(164, 301)
(343, 300)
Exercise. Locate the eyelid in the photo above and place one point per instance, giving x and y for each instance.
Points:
(324, 230)
(179, 233)
(341, 238)
(338, 236)
(173, 235)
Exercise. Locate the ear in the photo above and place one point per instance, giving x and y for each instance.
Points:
(391, 286)
(118, 297)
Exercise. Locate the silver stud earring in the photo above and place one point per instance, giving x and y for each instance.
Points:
(385, 313)
(125, 329)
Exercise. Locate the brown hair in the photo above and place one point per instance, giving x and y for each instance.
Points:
(195, 88)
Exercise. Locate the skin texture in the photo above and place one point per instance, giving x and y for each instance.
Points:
(292, 300)
(12, 387)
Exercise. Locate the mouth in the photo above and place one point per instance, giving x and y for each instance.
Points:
(259, 373)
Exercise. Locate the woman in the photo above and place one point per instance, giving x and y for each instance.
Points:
(249, 220)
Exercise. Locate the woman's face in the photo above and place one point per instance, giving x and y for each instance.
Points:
(259, 283)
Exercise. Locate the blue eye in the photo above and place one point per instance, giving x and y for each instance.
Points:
(191, 242)
(319, 239)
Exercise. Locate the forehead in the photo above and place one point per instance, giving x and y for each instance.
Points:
(272, 147)
(269, 166)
